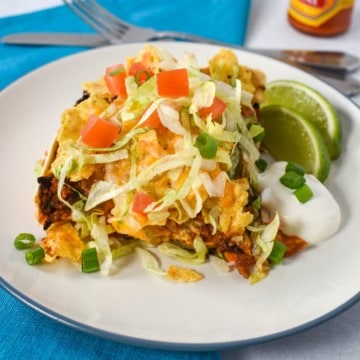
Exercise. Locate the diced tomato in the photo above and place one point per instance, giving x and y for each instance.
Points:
(231, 256)
(115, 80)
(173, 83)
(98, 132)
(215, 109)
(140, 72)
(141, 201)
(153, 121)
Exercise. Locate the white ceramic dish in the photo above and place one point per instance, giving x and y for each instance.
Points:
(133, 305)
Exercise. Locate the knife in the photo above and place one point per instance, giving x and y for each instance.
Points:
(61, 39)
(327, 60)
(345, 62)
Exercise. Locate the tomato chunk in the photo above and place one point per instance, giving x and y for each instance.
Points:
(141, 201)
(153, 121)
(173, 83)
(215, 109)
(115, 80)
(98, 132)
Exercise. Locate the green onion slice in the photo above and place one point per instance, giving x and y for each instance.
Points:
(292, 180)
(291, 166)
(142, 76)
(89, 261)
(261, 164)
(34, 256)
(303, 193)
(277, 252)
(206, 145)
(24, 241)
(117, 71)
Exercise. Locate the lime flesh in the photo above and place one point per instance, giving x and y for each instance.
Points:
(311, 105)
(291, 137)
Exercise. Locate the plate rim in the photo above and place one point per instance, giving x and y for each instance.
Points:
(174, 345)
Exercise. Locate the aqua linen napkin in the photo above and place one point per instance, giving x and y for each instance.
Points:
(25, 333)
(224, 20)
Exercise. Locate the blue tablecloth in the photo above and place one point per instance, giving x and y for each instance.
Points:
(25, 333)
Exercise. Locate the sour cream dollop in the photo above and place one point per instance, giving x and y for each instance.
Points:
(315, 220)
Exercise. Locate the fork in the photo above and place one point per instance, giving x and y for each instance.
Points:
(116, 31)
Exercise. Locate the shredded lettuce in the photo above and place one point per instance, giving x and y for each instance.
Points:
(102, 191)
(170, 118)
(150, 262)
(197, 256)
(204, 95)
(214, 187)
(221, 265)
(109, 157)
(124, 250)
(101, 238)
(265, 242)
(135, 105)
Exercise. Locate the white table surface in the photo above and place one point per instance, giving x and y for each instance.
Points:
(338, 338)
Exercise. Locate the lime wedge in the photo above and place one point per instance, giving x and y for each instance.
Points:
(310, 104)
(291, 137)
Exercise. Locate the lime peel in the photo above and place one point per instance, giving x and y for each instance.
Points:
(291, 137)
(312, 105)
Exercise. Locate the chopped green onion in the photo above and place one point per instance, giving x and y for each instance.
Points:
(291, 166)
(24, 241)
(117, 71)
(277, 252)
(303, 193)
(34, 256)
(123, 250)
(89, 261)
(292, 180)
(257, 206)
(206, 145)
(142, 76)
(261, 164)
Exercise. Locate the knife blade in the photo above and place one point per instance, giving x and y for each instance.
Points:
(61, 39)
(335, 61)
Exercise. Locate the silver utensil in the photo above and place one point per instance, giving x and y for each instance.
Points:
(117, 31)
(331, 61)
(55, 39)
(346, 84)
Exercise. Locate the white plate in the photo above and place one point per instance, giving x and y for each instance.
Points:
(138, 307)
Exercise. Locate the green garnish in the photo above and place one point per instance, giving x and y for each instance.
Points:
(261, 164)
(277, 252)
(292, 180)
(24, 241)
(291, 166)
(142, 76)
(117, 71)
(303, 193)
(206, 145)
(34, 256)
(89, 261)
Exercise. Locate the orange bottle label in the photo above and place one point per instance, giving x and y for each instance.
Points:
(317, 12)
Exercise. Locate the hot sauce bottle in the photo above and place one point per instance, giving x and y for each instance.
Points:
(321, 17)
